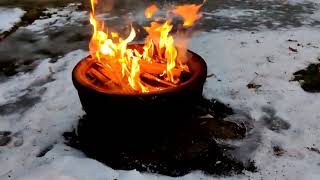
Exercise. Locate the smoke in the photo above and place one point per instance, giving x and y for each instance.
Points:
(181, 40)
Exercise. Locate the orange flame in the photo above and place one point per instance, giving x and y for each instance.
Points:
(125, 66)
(189, 12)
(150, 11)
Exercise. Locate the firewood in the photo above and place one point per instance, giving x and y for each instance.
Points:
(97, 75)
(153, 78)
(147, 71)
(157, 68)
(105, 71)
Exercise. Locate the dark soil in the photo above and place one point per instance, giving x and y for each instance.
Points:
(5, 138)
(309, 78)
(194, 145)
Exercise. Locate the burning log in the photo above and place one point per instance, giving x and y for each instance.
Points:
(148, 72)
(106, 72)
(97, 75)
(157, 68)
(158, 80)
(101, 78)
(113, 80)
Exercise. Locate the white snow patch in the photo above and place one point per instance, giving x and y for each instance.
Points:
(59, 18)
(237, 59)
(316, 15)
(300, 1)
(294, 2)
(43, 124)
(9, 17)
(235, 13)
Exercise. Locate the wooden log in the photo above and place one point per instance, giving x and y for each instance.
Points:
(105, 71)
(97, 75)
(157, 68)
(153, 78)
(147, 71)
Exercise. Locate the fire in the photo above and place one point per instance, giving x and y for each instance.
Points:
(189, 12)
(150, 11)
(157, 60)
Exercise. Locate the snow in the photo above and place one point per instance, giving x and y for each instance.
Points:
(43, 123)
(301, 1)
(235, 57)
(232, 56)
(59, 18)
(9, 17)
(236, 13)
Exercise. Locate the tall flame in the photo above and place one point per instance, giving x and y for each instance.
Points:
(125, 66)
(189, 12)
(150, 11)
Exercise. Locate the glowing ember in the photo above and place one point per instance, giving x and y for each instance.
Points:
(157, 60)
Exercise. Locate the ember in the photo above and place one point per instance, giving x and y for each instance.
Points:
(154, 66)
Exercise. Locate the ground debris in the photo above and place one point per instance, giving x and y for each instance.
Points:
(309, 78)
(278, 151)
(253, 86)
(293, 49)
(313, 149)
(292, 40)
(5, 138)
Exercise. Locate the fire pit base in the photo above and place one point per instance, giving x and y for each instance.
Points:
(190, 145)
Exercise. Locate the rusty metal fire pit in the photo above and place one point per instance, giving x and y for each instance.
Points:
(140, 111)
(143, 102)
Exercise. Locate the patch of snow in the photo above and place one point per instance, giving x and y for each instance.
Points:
(240, 58)
(43, 123)
(59, 17)
(9, 17)
(316, 15)
(106, 17)
(294, 2)
(301, 1)
(235, 13)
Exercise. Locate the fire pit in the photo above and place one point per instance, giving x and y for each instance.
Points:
(125, 85)
(144, 105)
(139, 109)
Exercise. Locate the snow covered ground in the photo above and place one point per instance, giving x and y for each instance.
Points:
(237, 59)
(9, 17)
(38, 106)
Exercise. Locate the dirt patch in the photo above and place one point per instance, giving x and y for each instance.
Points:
(309, 78)
(194, 145)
